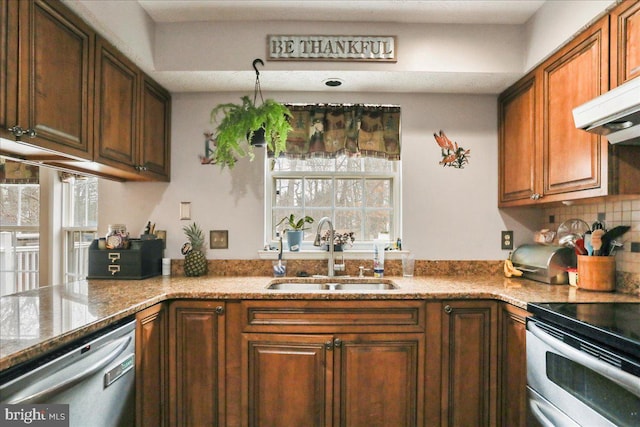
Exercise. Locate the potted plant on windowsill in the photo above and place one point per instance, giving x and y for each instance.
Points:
(339, 240)
(295, 229)
(239, 123)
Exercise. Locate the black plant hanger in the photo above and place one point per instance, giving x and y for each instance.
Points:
(258, 136)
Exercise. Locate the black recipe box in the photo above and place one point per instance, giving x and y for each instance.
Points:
(143, 259)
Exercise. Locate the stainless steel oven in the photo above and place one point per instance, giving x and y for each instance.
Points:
(583, 364)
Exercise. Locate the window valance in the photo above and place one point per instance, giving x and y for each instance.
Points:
(329, 130)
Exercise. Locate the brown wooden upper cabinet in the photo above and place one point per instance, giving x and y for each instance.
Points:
(155, 138)
(73, 101)
(574, 161)
(543, 157)
(132, 115)
(8, 29)
(52, 78)
(518, 152)
(625, 42)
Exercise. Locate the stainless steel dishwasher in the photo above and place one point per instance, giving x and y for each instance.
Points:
(95, 377)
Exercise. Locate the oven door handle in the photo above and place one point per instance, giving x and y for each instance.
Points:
(547, 414)
(628, 381)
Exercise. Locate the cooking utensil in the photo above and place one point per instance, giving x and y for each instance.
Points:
(587, 243)
(596, 241)
(569, 240)
(580, 249)
(610, 235)
(614, 245)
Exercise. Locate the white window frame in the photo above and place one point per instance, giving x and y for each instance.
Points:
(359, 245)
(79, 252)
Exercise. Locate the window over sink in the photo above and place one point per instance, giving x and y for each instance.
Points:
(359, 194)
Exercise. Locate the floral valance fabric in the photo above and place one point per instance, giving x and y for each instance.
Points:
(329, 130)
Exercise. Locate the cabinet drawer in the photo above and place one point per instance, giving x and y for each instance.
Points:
(333, 316)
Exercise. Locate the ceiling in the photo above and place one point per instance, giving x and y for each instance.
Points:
(405, 11)
(356, 78)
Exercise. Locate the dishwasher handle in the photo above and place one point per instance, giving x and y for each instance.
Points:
(120, 345)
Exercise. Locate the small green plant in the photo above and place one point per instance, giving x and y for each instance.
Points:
(238, 124)
(296, 224)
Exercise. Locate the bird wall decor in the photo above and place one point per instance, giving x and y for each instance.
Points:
(452, 154)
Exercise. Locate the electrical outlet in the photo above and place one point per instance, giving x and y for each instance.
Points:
(507, 240)
(635, 246)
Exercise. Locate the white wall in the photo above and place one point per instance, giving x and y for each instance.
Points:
(555, 23)
(447, 213)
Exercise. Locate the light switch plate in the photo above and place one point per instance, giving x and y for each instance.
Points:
(185, 210)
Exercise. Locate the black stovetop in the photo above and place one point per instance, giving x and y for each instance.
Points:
(616, 325)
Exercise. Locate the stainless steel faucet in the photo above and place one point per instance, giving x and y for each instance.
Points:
(331, 266)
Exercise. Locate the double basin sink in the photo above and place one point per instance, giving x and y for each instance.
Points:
(331, 284)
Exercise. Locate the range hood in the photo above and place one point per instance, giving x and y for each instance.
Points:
(616, 114)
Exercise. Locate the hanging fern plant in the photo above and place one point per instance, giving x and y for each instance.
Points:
(240, 122)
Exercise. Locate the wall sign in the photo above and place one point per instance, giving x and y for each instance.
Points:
(331, 48)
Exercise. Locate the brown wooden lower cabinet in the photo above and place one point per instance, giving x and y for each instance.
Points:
(151, 367)
(332, 380)
(513, 366)
(331, 363)
(462, 358)
(196, 363)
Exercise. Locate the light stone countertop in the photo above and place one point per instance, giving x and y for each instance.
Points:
(35, 322)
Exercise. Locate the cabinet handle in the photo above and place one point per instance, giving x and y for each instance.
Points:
(17, 131)
(536, 196)
(448, 309)
(337, 342)
(219, 309)
(328, 345)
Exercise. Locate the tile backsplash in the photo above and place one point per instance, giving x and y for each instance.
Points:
(612, 212)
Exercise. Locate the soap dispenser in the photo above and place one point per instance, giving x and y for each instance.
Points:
(378, 257)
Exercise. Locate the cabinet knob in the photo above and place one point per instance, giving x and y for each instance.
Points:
(141, 168)
(219, 309)
(337, 342)
(328, 345)
(448, 309)
(536, 196)
(17, 131)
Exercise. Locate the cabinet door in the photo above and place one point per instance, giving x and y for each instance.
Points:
(625, 42)
(116, 108)
(517, 142)
(196, 363)
(574, 160)
(155, 147)
(151, 367)
(513, 367)
(469, 358)
(381, 381)
(287, 380)
(8, 64)
(55, 87)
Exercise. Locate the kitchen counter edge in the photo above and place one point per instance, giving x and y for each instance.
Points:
(108, 301)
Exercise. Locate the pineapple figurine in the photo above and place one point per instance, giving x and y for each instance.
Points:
(195, 262)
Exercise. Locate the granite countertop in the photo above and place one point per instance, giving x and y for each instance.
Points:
(35, 322)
